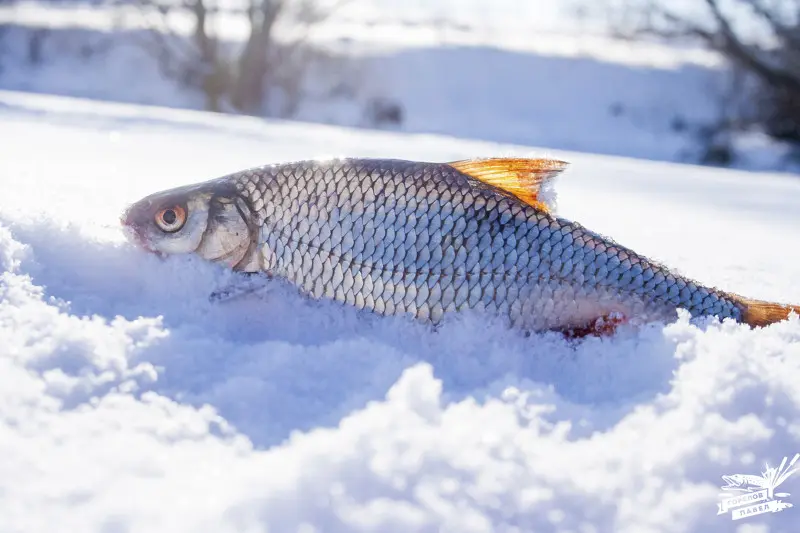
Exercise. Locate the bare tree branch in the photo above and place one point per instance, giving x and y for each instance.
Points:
(766, 65)
(241, 75)
(162, 32)
(723, 38)
(734, 47)
(789, 35)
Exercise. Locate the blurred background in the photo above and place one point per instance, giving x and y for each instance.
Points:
(713, 82)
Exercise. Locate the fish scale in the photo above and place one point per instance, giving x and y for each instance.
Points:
(439, 217)
(426, 240)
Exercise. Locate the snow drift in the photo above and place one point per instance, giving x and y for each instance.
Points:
(130, 403)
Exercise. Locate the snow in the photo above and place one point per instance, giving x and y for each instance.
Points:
(539, 78)
(129, 402)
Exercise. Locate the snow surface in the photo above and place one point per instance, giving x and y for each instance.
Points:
(129, 403)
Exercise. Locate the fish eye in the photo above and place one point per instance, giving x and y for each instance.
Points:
(171, 219)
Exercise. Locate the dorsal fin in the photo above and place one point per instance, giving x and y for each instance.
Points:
(523, 178)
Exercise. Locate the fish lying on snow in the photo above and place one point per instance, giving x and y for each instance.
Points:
(427, 239)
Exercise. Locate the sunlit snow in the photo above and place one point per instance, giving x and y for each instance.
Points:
(130, 403)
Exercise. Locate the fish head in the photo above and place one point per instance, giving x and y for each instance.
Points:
(211, 220)
(734, 480)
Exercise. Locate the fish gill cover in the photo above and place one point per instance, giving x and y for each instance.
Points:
(129, 402)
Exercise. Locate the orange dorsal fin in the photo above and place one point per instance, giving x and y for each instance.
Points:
(759, 314)
(524, 178)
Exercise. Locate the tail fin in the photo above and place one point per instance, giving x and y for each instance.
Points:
(759, 314)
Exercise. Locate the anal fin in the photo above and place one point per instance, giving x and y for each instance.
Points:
(240, 287)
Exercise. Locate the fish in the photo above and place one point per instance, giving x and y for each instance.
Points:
(745, 482)
(428, 240)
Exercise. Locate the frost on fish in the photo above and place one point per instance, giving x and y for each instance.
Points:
(429, 239)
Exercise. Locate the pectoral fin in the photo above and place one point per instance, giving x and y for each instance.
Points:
(243, 285)
(523, 178)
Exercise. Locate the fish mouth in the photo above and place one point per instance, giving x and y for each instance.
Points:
(133, 234)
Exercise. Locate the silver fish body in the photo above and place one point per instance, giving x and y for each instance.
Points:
(399, 237)
(428, 240)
